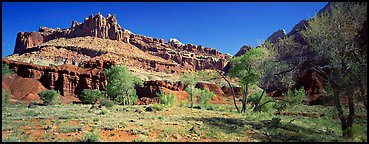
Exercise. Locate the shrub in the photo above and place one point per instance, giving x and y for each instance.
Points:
(108, 127)
(90, 137)
(217, 107)
(133, 99)
(166, 99)
(90, 96)
(103, 111)
(31, 113)
(137, 131)
(294, 97)
(183, 103)
(265, 104)
(205, 96)
(106, 102)
(6, 70)
(158, 107)
(68, 129)
(121, 85)
(5, 97)
(279, 106)
(50, 97)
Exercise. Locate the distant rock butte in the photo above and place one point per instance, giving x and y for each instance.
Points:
(188, 56)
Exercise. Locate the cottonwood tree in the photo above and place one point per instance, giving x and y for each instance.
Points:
(333, 37)
(190, 78)
(251, 68)
(121, 85)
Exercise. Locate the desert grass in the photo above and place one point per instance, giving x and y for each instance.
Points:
(77, 122)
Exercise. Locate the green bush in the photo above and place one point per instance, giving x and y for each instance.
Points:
(5, 97)
(205, 96)
(103, 111)
(166, 99)
(68, 129)
(6, 70)
(294, 97)
(183, 103)
(90, 96)
(267, 107)
(121, 85)
(217, 108)
(264, 103)
(158, 107)
(90, 137)
(133, 99)
(50, 97)
(106, 102)
(31, 113)
(279, 106)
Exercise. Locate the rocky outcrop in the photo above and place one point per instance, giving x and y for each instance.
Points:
(313, 84)
(296, 32)
(276, 36)
(212, 87)
(188, 56)
(99, 64)
(304, 76)
(23, 89)
(228, 91)
(243, 50)
(68, 79)
(147, 101)
(96, 26)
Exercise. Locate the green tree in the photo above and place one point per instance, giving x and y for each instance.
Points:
(250, 69)
(333, 36)
(50, 97)
(190, 78)
(6, 70)
(121, 85)
(204, 96)
(90, 96)
(166, 99)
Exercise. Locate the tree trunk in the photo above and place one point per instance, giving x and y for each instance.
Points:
(362, 93)
(191, 95)
(346, 123)
(365, 104)
(350, 117)
(234, 93)
(244, 100)
(256, 107)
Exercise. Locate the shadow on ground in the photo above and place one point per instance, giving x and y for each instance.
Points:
(268, 130)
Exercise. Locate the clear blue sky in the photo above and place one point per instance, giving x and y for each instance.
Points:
(220, 25)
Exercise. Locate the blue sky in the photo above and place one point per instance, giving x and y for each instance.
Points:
(220, 25)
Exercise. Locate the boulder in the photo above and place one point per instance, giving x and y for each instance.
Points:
(150, 109)
(32, 105)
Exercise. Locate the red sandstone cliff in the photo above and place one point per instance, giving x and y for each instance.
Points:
(188, 56)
